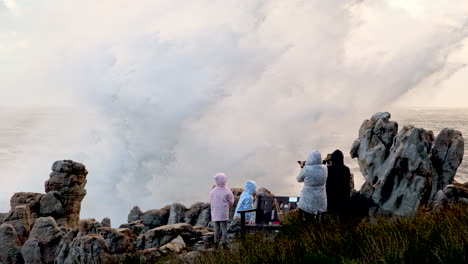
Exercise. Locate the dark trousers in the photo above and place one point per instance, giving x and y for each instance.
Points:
(220, 228)
(308, 217)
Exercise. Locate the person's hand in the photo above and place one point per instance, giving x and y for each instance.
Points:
(301, 163)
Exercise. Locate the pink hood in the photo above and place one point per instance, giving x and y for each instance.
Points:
(220, 179)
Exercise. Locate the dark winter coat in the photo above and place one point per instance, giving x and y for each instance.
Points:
(338, 184)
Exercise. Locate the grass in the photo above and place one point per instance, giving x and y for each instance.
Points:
(424, 238)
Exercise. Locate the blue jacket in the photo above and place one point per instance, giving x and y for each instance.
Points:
(246, 199)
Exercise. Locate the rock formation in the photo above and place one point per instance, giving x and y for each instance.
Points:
(65, 190)
(404, 170)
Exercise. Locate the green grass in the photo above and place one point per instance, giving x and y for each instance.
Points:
(425, 238)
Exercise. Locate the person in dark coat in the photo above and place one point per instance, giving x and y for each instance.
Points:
(339, 185)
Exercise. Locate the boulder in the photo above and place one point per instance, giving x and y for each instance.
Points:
(155, 218)
(204, 217)
(176, 214)
(136, 227)
(29, 199)
(447, 155)
(400, 168)
(65, 190)
(19, 218)
(88, 249)
(118, 241)
(135, 214)
(162, 235)
(43, 242)
(175, 246)
(106, 222)
(10, 245)
(192, 214)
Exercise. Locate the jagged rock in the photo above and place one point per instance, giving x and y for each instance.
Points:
(50, 205)
(44, 240)
(155, 218)
(398, 167)
(262, 191)
(237, 191)
(176, 213)
(136, 227)
(19, 218)
(135, 214)
(106, 222)
(175, 246)
(10, 245)
(119, 241)
(447, 155)
(446, 197)
(2, 217)
(193, 213)
(88, 249)
(162, 235)
(88, 226)
(31, 200)
(205, 215)
(65, 190)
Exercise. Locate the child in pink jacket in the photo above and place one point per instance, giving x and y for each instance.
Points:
(221, 198)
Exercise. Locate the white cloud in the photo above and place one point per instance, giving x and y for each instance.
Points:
(11, 4)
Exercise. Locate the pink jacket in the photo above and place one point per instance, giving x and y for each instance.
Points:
(221, 198)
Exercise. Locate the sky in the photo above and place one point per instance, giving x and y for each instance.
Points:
(157, 96)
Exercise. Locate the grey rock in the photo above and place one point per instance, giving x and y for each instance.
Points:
(67, 185)
(118, 241)
(10, 245)
(399, 167)
(44, 240)
(162, 235)
(136, 227)
(88, 249)
(19, 218)
(50, 205)
(447, 155)
(176, 214)
(204, 217)
(192, 214)
(155, 218)
(174, 247)
(135, 214)
(106, 222)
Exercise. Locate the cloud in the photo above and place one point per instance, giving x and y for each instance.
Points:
(12, 6)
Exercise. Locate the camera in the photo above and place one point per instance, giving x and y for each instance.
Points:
(327, 160)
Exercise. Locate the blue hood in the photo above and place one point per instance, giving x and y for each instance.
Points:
(250, 187)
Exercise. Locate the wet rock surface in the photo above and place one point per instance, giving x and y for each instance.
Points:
(405, 169)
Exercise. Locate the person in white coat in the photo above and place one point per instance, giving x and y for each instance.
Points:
(313, 200)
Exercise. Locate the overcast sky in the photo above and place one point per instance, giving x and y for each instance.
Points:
(163, 94)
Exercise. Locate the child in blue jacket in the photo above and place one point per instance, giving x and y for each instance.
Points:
(246, 199)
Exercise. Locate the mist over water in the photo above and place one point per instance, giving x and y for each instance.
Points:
(161, 95)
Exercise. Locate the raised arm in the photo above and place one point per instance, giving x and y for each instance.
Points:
(301, 176)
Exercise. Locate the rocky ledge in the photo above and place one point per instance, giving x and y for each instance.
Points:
(407, 169)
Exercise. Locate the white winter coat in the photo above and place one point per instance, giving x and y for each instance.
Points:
(314, 175)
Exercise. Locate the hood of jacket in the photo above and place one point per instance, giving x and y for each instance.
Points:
(220, 179)
(315, 158)
(337, 158)
(250, 187)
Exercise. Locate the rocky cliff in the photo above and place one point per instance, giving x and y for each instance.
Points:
(407, 169)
